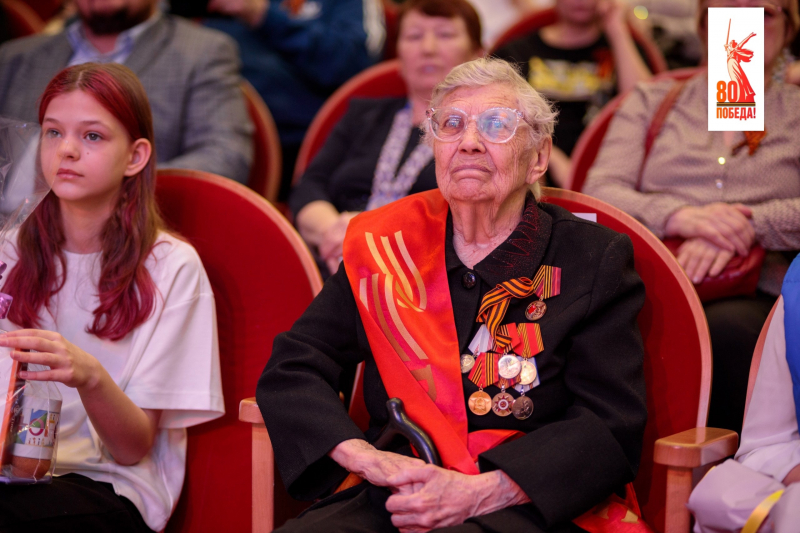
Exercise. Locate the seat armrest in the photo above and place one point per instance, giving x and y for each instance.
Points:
(696, 447)
(249, 411)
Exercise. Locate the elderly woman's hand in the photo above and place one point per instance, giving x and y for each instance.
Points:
(701, 258)
(361, 458)
(725, 225)
(430, 497)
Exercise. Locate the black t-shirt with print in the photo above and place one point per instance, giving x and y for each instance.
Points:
(579, 81)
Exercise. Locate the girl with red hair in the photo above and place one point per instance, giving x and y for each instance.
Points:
(119, 312)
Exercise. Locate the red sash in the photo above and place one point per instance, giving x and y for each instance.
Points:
(398, 275)
(395, 262)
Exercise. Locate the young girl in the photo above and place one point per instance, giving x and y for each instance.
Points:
(121, 311)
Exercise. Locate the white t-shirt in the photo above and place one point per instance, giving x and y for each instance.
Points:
(170, 362)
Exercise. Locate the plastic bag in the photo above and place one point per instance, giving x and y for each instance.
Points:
(30, 409)
(29, 430)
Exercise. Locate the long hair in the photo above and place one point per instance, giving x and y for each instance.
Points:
(127, 293)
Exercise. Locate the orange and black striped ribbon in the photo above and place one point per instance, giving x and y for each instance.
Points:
(484, 373)
(530, 335)
(546, 283)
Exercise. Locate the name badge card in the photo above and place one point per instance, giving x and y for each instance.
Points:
(736, 69)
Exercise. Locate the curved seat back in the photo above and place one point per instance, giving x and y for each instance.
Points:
(22, 19)
(381, 81)
(263, 278)
(588, 145)
(677, 346)
(265, 172)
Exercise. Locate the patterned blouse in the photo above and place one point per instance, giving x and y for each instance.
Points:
(690, 166)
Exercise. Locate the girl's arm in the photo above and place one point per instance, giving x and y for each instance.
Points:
(127, 431)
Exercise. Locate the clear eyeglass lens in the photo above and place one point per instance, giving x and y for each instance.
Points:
(495, 125)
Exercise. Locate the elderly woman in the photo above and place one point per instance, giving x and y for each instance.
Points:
(507, 327)
(722, 192)
(374, 154)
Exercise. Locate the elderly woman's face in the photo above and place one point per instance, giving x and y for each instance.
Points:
(429, 48)
(472, 169)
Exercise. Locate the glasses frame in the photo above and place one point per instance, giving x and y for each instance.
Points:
(431, 111)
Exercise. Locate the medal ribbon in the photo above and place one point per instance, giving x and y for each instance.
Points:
(546, 283)
(485, 369)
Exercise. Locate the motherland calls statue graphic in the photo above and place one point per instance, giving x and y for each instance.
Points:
(736, 55)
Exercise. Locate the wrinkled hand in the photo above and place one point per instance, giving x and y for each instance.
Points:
(250, 11)
(727, 226)
(430, 497)
(68, 364)
(375, 466)
(701, 258)
(330, 249)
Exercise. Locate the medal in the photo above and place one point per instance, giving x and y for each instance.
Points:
(536, 310)
(480, 403)
(467, 362)
(508, 367)
(501, 403)
(527, 373)
(522, 407)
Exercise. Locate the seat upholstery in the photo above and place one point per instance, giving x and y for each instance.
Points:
(263, 278)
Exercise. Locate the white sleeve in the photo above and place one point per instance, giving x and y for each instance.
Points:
(770, 439)
(179, 370)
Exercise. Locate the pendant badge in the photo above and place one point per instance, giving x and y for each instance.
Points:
(535, 310)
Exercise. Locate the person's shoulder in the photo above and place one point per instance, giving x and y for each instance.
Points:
(27, 46)
(195, 39)
(379, 105)
(521, 48)
(789, 95)
(173, 260)
(571, 228)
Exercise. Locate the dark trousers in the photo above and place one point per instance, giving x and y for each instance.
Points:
(71, 503)
(362, 509)
(735, 324)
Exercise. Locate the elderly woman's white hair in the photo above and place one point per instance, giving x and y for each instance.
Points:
(538, 113)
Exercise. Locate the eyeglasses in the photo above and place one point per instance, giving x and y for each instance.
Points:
(496, 125)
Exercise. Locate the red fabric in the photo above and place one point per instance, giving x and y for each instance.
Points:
(238, 236)
(413, 335)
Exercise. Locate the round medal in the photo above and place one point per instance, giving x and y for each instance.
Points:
(508, 367)
(522, 408)
(535, 310)
(467, 362)
(527, 373)
(501, 404)
(480, 403)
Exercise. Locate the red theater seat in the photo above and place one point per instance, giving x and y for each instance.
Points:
(263, 278)
(22, 19)
(677, 362)
(265, 172)
(381, 81)
(588, 145)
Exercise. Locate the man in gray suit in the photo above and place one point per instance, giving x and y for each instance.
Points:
(190, 73)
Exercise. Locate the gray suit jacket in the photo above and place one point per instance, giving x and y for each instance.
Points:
(191, 75)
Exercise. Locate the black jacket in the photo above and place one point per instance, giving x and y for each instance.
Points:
(584, 438)
(343, 170)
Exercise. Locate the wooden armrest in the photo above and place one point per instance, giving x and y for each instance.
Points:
(249, 412)
(696, 447)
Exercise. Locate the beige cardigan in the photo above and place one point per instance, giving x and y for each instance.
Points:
(684, 168)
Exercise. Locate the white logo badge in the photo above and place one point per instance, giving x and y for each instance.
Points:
(736, 69)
